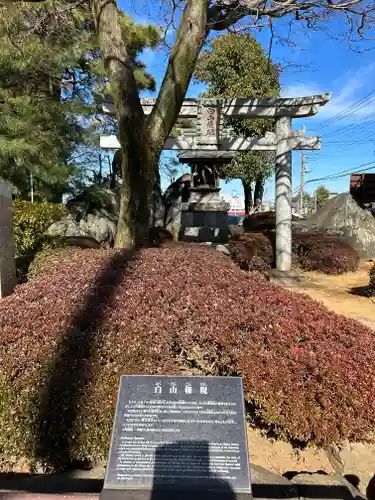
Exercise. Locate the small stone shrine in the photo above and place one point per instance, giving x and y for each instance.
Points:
(204, 216)
(178, 438)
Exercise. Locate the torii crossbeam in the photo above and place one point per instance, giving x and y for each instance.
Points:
(270, 107)
(267, 143)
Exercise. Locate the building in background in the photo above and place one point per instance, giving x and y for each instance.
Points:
(309, 203)
(362, 188)
(237, 203)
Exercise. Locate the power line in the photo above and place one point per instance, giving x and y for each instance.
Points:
(335, 150)
(339, 174)
(346, 146)
(363, 122)
(348, 111)
(351, 140)
(355, 141)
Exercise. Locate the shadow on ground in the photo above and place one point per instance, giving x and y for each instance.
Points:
(360, 291)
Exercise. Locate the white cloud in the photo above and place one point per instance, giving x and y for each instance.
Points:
(301, 89)
(355, 82)
(345, 92)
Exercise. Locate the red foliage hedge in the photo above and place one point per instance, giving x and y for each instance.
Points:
(262, 221)
(325, 253)
(253, 251)
(311, 251)
(67, 335)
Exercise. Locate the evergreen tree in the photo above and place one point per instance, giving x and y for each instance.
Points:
(322, 195)
(245, 71)
(49, 65)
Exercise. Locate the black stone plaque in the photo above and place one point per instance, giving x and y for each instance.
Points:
(185, 433)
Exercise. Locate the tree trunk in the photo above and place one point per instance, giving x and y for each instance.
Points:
(158, 204)
(115, 169)
(258, 193)
(137, 173)
(248, 193)
(138, 157)
(100, 173)
(143, 140)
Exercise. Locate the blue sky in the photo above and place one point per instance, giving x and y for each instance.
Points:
(319, 62)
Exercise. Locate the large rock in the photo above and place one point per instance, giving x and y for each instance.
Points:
(99, 226)
(176, 194)
(95, 198)
(94, 213)
(67, 226)
(265, 485)
(342, 216)
(358, 459)
(158, 209)
(270, 485)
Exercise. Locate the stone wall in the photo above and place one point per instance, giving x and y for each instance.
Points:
(7, 258)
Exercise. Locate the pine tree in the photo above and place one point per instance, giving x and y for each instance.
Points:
(49, 65)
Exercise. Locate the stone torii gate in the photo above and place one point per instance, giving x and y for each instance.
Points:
(210, 135)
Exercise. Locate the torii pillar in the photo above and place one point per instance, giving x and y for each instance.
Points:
(283, 197)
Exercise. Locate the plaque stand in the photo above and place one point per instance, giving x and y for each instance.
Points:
(173, 494)
(178, 438)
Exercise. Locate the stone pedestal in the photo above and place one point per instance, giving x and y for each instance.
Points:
(7, 257)
(204, 217)
(285, 278)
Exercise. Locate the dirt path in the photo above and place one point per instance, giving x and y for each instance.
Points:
(344, 294)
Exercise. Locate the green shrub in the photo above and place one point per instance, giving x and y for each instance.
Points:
(30, 221)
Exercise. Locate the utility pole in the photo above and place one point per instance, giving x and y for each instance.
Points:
(302, 186)
(315, 201)
(304, 170)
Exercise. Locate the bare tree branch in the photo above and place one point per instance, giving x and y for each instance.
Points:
(191, 36)
(223, 14)
(221, 19)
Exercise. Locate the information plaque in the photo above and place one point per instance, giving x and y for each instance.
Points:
(181, 433)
